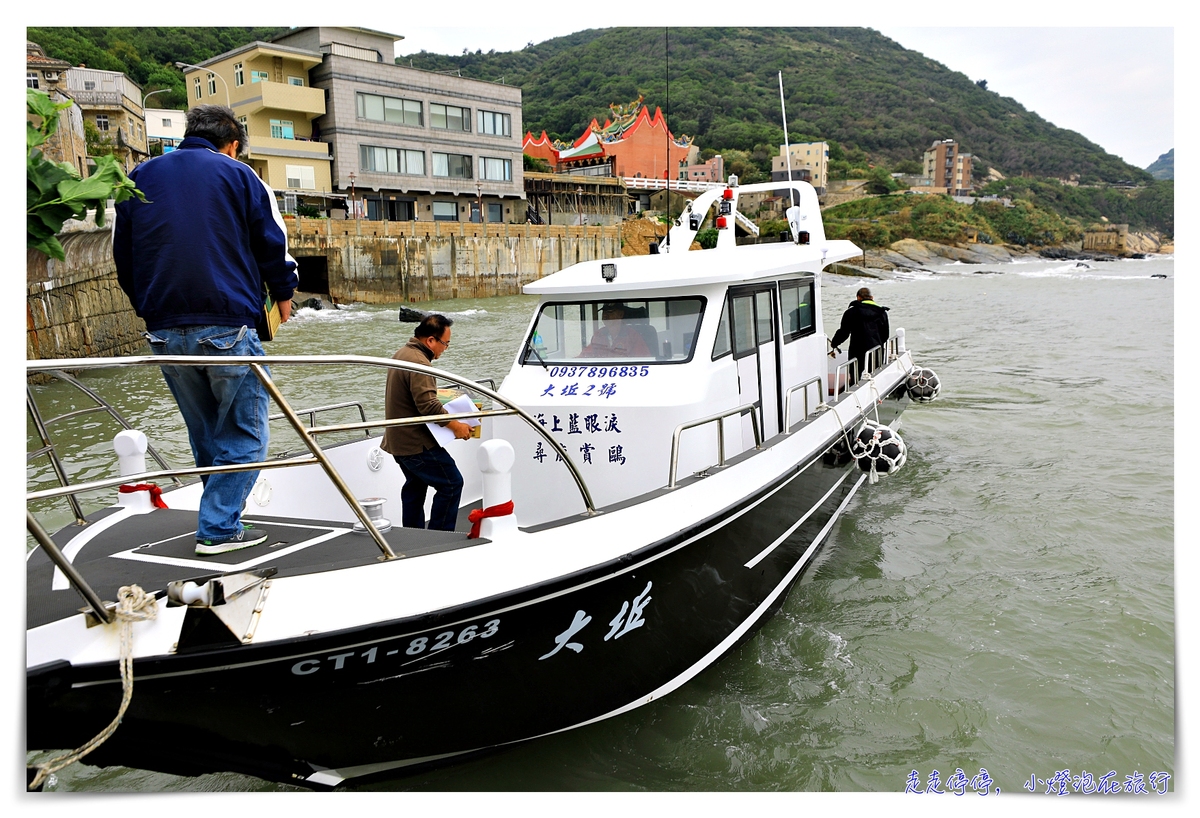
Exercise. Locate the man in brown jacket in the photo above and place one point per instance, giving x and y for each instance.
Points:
(425, 464)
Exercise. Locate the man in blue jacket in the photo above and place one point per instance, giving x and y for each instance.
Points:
(194, 259)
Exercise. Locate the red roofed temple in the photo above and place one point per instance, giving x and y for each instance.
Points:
(631, 142)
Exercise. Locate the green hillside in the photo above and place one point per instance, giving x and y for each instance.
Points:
(877, 103)
(146, 55)
(851, 86)
(1164, 166)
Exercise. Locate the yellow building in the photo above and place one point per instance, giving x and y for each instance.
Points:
(267, 86)
(809, 162)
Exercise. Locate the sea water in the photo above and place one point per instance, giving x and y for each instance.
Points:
(997, 616)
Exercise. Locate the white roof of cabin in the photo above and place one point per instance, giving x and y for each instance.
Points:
(693, 268)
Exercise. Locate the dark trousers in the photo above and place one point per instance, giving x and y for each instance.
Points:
(431, 469)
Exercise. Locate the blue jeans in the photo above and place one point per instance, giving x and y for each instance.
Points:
(434, 468)
(225, 409)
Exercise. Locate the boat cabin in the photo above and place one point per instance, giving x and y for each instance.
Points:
(621, 352)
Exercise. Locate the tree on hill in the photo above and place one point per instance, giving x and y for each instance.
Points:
(852, 86)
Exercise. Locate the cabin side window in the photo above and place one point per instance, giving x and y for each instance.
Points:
(723, 345)
(622, 331)
(743, 326)
(797, 299)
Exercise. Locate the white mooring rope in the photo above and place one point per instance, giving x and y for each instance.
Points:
(133, 605)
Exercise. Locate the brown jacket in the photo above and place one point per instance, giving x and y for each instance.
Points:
(411, 394)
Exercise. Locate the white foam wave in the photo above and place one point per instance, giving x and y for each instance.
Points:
(339, 316)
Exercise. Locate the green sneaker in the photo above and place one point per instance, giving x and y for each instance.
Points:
(244, 539)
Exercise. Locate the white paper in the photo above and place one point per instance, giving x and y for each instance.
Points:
(463, 403)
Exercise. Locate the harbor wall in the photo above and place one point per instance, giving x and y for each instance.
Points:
(75, 308)
(378, 262)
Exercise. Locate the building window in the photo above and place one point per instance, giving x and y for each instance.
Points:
(296, 81)
(88, 85)
(245, 122)
(282, 129)
(445, 212)
(451, 165)
(495, 170)
(31, 79)
(391, 160)
(496, 124)
(301, 176)
(449, 117)
(258, 76)
(390, 109)
(239, 77)
(166, 123)
(102, 122)
(495, 212)
(197, 87)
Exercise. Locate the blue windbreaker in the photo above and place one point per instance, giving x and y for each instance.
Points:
(204, 242)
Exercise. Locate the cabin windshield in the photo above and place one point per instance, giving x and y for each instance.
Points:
(650, 331)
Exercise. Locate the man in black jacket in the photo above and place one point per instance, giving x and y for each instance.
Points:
(865, 323)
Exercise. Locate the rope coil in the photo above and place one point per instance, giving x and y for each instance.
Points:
(133, 605)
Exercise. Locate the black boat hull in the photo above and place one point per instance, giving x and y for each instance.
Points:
(405, 694)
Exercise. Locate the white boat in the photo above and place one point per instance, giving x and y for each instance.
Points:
(665, 499)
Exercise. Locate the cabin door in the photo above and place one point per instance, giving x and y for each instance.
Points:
(755, 347)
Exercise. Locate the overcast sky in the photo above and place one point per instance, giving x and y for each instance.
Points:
(1113, 85)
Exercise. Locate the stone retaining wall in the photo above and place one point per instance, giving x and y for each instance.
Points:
(75, 308)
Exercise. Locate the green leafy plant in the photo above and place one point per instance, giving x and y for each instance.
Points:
(54, 190)
(98, 144)
(707, 238)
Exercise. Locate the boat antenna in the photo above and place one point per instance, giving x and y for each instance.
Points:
(787, 151)
(667, 132)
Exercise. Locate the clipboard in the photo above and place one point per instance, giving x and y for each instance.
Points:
(270, 319)
(462, 403)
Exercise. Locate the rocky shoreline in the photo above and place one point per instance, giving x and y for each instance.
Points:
(916, 255)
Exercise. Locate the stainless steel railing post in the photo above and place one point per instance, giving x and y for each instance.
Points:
(72, 574)
(787, 401)
(720, 419)
(360, 512)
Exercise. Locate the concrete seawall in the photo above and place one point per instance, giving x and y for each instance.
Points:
(385, 262)
(75, 308)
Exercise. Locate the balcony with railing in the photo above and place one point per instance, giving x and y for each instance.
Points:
(280, 97)
(98, 99)
(294, 147)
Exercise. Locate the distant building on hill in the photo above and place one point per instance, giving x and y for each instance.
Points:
(165, 128)
(711, 171)
(336, 124)
(809, 162)
(48, 75)
(268, 87)
(112, 102)
(948, 168)
(630, 143)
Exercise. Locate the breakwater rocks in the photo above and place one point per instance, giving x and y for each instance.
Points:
(913, 254)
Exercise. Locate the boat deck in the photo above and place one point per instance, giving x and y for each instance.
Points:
(157, 548)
